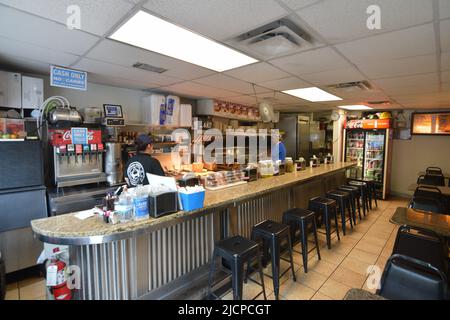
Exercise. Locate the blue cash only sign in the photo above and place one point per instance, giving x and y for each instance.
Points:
(68, 78)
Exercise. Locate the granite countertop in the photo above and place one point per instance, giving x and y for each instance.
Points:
(360, 294)
(67, 226)
(439, 223)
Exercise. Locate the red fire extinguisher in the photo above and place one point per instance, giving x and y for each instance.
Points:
(57, 271)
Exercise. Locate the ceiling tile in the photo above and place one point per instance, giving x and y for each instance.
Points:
(97, 16)
(399, 67)
(126, 55)
(394, 45)
(228, 83)
(28, 28)
(298, 4)
(444, 9)
(334, 76)
(193, 89)
(411, 84)
(28, 51)
(119, 82)
(311, 61)
(106, 69)
(217, 19)
(18, 64)
(245, 100)
(279, 98)
(286, 84)
(445, 35)
(445, 61)
(257, 73)
(345, 20)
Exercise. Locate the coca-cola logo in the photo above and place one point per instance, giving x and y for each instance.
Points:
(67, 136)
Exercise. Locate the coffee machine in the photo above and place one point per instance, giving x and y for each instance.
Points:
(76, 164)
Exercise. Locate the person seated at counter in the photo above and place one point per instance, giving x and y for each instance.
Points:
(142, 163)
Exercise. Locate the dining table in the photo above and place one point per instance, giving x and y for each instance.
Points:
(439, 223)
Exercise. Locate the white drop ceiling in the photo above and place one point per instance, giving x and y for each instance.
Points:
(407, 61)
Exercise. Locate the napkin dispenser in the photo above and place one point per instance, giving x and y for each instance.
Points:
(251, 174)
(162, 203)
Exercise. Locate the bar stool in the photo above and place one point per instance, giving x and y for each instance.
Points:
(355, 196)
(343, 201)
(271, 234)
(299, 219)
(327, 208)
(372, 192)
(364, 194)
(236, 251)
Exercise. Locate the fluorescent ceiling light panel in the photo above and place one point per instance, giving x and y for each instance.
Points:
(152, 33)
(355, 107)
(312, 94)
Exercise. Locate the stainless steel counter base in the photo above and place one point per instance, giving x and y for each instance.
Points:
(157, 263)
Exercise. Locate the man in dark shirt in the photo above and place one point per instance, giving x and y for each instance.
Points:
(142, 163)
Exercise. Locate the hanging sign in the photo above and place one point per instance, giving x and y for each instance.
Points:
(68, 78)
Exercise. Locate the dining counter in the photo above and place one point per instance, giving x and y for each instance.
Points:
(155, 258)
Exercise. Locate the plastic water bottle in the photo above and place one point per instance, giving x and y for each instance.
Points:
(124, 207)
(140, 204)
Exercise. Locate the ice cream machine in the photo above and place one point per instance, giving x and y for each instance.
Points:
(77, 164)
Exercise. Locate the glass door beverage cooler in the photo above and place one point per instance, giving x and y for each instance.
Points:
(368, 143)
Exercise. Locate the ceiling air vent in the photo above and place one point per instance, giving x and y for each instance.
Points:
(356, 86)
(147, 67)
(275, 38)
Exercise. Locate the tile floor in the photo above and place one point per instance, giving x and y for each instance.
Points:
(345, 266)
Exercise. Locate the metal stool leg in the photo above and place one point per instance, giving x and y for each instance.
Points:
(304, 239)
(236, 279)
(316, 239)
(211, 273)
(290, 255)
(261, 274)
(336, 223)
(275, 253)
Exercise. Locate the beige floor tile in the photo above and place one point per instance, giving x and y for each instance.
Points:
(348, 277)
(374, 240)
(334, 289)
(30, 281)
(323, 267)
(368, 247)
(312, 279)
(343, 248)
(12, 286)
(12, 294)
(331, 256)
(250, 291)
(320, 296)
(363, 256)
(358, 266)
(33, 291)
(296, 291)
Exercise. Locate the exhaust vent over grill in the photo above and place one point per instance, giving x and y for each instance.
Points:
(275, 38)
(147, 67)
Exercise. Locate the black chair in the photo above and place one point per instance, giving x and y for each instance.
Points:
(372, 190)
(236, 251)
(343, 201)
(406, 278)
(355, 196)
(434, 170)
(326, 209)
(422, 244)
(364, 190)
(2, 278)
(301, 219)
(428, 198)
(431, 180)
(271, 234)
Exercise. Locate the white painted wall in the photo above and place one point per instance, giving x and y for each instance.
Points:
(412, 156)
(97, 95)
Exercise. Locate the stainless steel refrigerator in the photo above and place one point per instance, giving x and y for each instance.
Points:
(302, 136)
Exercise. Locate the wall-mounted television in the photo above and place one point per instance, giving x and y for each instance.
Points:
(431, 123)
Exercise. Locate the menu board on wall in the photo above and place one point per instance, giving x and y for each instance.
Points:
(431, 123)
